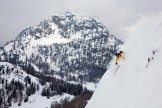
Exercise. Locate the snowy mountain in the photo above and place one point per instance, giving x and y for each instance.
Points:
(137, 81)
(61, 59)
(65, 46)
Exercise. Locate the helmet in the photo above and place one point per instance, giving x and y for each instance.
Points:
(120, 51)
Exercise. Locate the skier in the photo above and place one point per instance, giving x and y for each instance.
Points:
(119, 55)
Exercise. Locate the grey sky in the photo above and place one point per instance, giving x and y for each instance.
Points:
(16, 15)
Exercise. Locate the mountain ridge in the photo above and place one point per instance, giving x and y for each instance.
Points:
(39, 38)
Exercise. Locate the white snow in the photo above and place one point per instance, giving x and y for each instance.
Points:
(6, 64)
(35, 67)
(37, 101)
(14, 75)
(9, 47)
(90, 86)
(132, 84)
(50, 40)
(76, 36)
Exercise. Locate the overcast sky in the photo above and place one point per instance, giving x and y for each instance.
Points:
(117, 15)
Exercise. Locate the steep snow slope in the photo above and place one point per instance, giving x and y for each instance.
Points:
(135, 83)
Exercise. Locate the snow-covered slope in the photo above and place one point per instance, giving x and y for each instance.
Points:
(37, 101)
(137, 81)
(11, 74)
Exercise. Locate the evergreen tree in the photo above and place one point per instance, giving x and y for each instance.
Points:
(26, 98)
